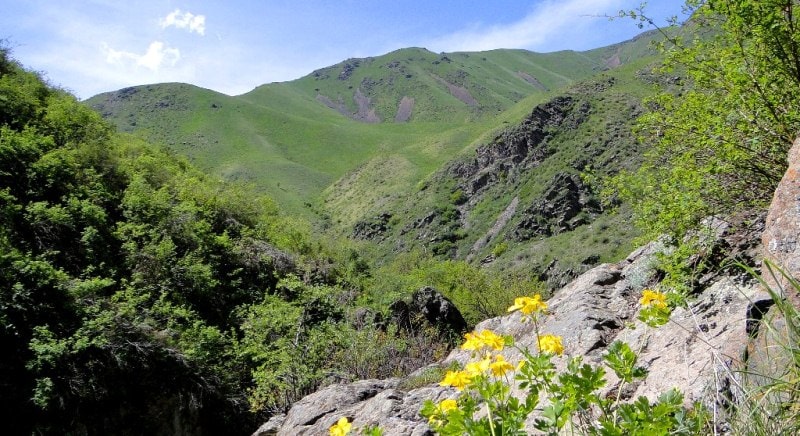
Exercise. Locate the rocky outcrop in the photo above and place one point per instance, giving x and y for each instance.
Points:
(520, 148)
(772, 353)
(365, 403)
(373, 228)
(694, 353)
(427, 305)
(348, 67)
(566, 204)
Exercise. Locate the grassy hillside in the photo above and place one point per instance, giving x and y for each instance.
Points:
(505, 208)
(289, 142)
(333, 148)
(287, 145)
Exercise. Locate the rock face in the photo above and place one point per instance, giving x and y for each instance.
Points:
(782, 229)
(566, 204)
(373, 228)
(770, 352)
(519, 148)
(694, 353)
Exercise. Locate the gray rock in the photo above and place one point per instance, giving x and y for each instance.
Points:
(364, 403)
(518, 148)
(700, 351)
(566, 204)
(271, 427)
(697, 352)
(782, 230)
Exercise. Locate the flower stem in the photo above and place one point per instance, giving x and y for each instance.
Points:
(491, 421)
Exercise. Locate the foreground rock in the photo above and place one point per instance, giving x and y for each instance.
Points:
(694, 353)
(772, 356)
(782, 230)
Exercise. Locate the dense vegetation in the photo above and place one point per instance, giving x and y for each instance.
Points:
(720, 141)
(718, 135)
(141, 296)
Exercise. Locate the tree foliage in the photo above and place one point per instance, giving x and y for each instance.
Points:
(141, 296)
(720, 135)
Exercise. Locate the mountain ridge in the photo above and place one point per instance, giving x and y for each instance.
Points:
(253, 136)
(328, 150)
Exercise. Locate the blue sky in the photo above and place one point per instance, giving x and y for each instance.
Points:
(93, 46)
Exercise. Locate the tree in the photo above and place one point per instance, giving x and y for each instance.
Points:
(719, 139)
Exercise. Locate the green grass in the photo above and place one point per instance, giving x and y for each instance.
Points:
(322, 165)
(603, 141)
(291, 146)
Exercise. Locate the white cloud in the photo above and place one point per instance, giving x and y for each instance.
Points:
(550, 20)
(185, 20)
(155, 57)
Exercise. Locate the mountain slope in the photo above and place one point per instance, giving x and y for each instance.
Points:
(294, 139)
(519, 201)
(496, 183)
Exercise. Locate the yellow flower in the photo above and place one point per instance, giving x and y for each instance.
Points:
(478, 368)
(486, 338)
(472, 342)
(446, 406)
(653, 298)
(341, 428)
(529, 305)
(500, 366)
(551, 344)
(492, 340)
(456, 379)
(441, 410)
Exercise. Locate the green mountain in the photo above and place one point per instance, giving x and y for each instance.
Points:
(383, 149)
(295, 139)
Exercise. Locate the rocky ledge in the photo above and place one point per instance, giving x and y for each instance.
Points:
(695, 353)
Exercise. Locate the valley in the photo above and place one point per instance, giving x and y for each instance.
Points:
(310, 145)
(485, 242)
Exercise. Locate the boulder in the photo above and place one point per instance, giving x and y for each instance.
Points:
(772, 352)
(364, 403)
(427, 305)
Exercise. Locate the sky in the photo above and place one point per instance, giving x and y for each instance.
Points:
(94, 46)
